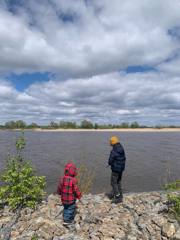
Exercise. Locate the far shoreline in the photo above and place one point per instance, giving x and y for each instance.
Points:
(99, 130)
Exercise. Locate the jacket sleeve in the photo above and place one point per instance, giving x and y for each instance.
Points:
(124, 155)
(59, 188)
(76, 189)
(111, 158)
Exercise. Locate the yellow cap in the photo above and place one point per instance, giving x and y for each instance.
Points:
(114, 140)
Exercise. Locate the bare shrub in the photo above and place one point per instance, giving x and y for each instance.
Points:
(85, 179)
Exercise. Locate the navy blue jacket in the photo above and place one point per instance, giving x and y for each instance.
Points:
(117, 158)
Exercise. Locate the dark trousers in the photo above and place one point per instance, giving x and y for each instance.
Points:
(116, 183)
(69, 212)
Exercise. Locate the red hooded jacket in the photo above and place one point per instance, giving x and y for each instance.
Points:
(67, 186)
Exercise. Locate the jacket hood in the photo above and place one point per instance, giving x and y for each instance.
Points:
(70, 170)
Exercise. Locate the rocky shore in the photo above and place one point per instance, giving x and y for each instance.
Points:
(141, 216)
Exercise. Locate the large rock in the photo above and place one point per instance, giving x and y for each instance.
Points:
(168, 230)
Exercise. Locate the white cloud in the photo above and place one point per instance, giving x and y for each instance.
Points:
(103, 37)
(6, 90)
(116, 97)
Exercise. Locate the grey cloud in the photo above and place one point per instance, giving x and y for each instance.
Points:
(171, 67)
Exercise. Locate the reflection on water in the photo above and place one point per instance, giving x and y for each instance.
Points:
(150, 156)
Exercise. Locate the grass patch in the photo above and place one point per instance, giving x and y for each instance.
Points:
(174, 199)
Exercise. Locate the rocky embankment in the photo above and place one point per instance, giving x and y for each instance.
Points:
(141, 216)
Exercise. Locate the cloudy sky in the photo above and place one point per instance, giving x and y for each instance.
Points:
(106, 61)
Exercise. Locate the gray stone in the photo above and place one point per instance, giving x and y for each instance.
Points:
(137, 218)
(177, 235)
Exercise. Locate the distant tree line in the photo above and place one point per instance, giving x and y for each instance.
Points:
(18, 125)
(84, 124)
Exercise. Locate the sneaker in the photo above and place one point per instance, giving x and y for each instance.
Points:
(70, 225)
(117, 199)
(110, 195)
(66, 223)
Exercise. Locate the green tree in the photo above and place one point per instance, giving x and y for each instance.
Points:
(86, 124)
(10, 124)
(21, 187)
(125, 125)
(33, 125)
(71, 125)
(96, 126)
(53, 124)
(159, 126)
(17, 124)
(134, 125)
(20, 124)
(68, 124)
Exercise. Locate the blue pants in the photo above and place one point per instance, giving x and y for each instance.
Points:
(69, 212)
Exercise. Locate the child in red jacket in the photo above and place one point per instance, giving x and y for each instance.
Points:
(69, 192)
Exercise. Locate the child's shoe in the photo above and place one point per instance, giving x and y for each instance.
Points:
(66, 223)
(70, 225)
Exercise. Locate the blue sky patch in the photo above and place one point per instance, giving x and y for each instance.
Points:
(143, 68)
(23, 81)
(175, 32)
(68, 17)
(13, 5)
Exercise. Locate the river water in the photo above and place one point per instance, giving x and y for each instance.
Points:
(152, 157)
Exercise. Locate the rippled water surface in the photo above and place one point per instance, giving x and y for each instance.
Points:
(149, 155)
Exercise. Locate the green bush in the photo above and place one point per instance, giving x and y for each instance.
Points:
(174, 199)
(173, 185)
(21, 187)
